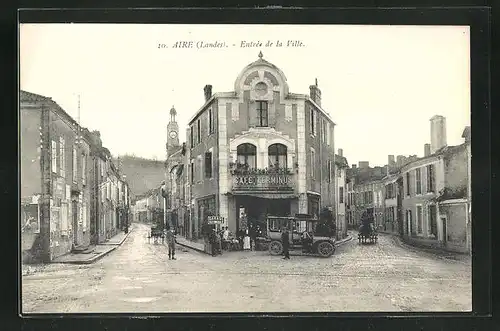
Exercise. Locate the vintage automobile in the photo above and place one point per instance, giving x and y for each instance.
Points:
(321, 242)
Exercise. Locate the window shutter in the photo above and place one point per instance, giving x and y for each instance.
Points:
(271, 110)
(253, 116)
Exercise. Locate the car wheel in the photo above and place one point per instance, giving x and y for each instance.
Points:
(325, 249)
(275, 248)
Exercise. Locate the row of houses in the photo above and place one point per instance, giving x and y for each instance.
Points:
(426, 200)
(72, 193)
(258, 145)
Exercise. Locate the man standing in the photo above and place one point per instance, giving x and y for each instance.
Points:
(171, 244)
(286, 243)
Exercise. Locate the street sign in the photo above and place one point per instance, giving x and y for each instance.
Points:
(215, 220)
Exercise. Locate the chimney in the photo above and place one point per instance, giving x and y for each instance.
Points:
(438, 133)
(364, 164)
(399, 160)
(315, 93)
(390, 160)
(340, 152)
(427, 149)
(208, 92)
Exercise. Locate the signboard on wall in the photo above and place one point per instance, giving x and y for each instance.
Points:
(215, 220)
(270, 182)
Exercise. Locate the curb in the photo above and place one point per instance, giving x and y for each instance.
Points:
(191, 247)
(349, 238)
(439, 254)
(99, 256)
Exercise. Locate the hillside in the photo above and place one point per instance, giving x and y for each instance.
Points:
(142, 174)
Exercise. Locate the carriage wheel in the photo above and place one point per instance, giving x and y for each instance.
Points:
(325, 249)
(275, 247)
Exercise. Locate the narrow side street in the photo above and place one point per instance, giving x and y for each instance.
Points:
(138, 277)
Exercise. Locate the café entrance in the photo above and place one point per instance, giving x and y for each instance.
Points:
(257, 209)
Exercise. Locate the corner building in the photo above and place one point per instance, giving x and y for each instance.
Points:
(259, 149)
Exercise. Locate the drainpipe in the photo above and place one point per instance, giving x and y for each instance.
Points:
(46, 164)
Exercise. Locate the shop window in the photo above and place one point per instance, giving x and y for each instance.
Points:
(247, 155)
(277, 154)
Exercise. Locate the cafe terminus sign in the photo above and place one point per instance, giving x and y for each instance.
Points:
(260, 182)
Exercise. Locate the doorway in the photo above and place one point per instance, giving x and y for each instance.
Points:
(408, 220)
(445, 235)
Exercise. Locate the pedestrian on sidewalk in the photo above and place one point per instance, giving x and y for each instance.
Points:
(171, 244)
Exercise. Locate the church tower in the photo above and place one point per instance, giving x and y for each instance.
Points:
(173, 133)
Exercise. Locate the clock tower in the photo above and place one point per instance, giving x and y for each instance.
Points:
(172, 132)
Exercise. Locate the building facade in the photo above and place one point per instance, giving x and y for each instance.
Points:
(341, 166)
(436, 200)
(258, 145)
(57, 181)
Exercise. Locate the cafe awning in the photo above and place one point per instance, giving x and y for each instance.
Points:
(267, 195)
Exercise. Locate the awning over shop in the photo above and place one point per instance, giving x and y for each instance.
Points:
(266, 195)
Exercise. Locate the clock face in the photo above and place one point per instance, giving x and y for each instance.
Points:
(173, 134)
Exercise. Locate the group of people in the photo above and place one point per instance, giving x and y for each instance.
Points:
(224, 240)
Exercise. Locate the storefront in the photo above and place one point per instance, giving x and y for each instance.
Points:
(257, 208)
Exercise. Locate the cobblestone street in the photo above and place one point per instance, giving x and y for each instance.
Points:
(138, 277)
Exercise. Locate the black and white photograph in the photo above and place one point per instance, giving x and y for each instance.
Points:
(188, 168)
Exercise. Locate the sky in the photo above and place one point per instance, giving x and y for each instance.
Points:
(380, 84)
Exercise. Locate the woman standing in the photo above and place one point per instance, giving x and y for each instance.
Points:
(246, 241)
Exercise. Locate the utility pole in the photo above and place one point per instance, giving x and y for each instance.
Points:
(43, 252)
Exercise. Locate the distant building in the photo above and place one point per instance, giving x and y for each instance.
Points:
(365, 193)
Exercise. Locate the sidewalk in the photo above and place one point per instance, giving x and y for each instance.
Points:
(436, 252)
(96, 252)
(197, 246)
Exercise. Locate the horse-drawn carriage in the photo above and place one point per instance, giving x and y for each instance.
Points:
(367, 232)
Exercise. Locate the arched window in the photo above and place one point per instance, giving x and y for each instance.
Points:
(277, 155)
(247, 154)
